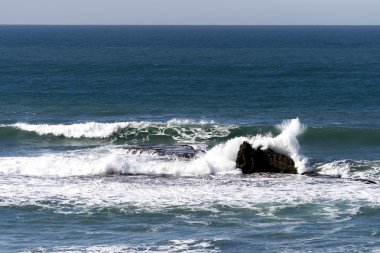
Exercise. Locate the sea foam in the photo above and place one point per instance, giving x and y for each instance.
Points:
(87, 130)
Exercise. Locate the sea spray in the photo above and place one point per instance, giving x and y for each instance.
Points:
(286, 142)
(221, 158)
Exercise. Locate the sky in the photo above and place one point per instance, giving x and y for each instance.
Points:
(191, 12)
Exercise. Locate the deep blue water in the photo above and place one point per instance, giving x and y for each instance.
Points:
(323, 75)
(71, 97)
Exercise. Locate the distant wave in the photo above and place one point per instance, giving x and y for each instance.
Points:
(86, 130)
(180, 131)
(176, 129)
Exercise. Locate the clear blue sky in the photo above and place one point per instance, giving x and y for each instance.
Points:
(191, 12)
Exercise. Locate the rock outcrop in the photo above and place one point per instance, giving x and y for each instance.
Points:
(251, 160)
(180, 151)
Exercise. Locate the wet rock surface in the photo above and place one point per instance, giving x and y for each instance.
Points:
(181, 151)
(251, 160)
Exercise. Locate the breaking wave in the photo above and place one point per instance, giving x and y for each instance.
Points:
(184, 131)
(351, 169)
(220, 159)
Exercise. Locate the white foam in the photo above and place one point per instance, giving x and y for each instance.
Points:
(87, 130)
(63, 164)
(265, 195)
(177, 121)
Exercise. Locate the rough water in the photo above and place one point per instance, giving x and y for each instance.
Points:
(76, 102)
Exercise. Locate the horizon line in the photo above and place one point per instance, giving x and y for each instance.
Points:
(37, 24)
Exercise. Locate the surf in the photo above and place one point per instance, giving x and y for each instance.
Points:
(114, 159)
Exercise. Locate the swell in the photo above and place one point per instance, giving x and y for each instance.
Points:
(337, 136)
(173, 132)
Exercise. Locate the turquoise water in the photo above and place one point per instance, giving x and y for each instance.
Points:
(74, 98)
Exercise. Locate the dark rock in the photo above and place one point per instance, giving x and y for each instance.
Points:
(182, 151)
(251, 160)
(244, 160)
(316, 174)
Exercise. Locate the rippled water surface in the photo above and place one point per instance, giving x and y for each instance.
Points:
(76, 102)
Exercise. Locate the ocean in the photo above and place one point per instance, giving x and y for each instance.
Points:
(92, 118)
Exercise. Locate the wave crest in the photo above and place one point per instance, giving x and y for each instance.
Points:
(178, 130)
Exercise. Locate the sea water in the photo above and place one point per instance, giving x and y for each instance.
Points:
(74, 98)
